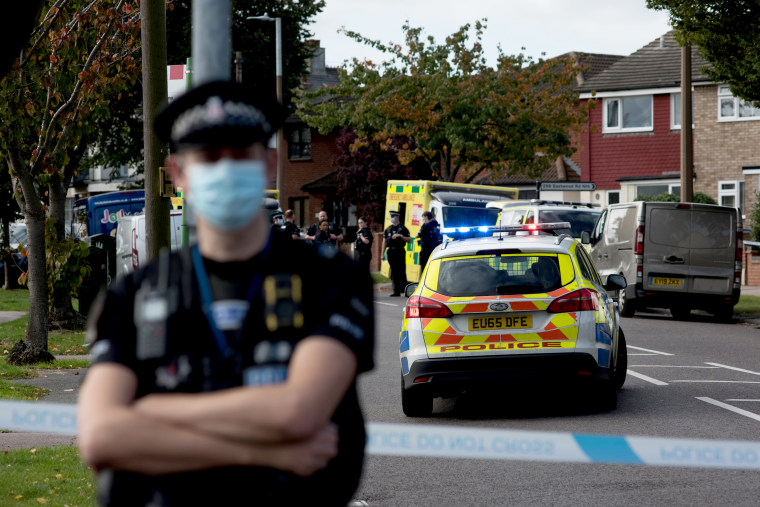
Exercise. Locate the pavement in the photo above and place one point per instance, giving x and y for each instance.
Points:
(64, 385)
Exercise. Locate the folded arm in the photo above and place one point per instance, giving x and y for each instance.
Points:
(320, 372)
(112, 434)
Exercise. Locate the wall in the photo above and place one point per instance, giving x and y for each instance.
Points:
(721, 149)
(607, 157)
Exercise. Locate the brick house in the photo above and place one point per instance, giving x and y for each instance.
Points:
(632, 146)
(310, 180)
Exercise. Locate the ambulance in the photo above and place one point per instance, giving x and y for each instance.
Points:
(452, 205)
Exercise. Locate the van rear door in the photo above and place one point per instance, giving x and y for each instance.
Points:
(689, 248)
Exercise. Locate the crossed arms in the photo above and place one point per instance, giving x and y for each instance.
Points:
(285, 426)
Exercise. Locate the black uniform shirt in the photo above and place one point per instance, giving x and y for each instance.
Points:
(398, 242)
(304, 292)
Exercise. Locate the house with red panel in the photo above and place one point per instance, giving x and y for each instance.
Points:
(632, 144)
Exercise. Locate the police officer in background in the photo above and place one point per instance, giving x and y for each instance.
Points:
(363, 244)
(225, 373)
(429, 237)
(290, 228)
(334, 233)
(395, 238)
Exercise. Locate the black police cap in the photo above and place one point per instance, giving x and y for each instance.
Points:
(219, 113)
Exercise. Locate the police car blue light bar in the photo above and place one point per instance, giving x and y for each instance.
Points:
(488, 230)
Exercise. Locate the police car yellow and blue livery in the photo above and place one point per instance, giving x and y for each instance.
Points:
(508, 303)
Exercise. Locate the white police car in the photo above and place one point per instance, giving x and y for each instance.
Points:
(517, 304)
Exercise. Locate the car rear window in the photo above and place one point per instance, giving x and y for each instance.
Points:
(502, 274)
(691, 228)
(580, 220)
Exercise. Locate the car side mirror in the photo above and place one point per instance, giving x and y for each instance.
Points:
(409, 290)
(615, 282)
(585, 237)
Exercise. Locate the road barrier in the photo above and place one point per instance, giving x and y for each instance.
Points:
(425, 440)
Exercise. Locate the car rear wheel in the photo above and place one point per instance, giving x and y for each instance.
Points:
(626, 306)
(680, 312)
(415, 403)
(724, 313)
(621, 368)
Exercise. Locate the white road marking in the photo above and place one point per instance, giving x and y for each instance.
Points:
(641, 354)
(736, 399)
(386, 304)
(734, 368)
(647, 379)
(650, 350)
(718, 381)
(732, 408)
(669, 366)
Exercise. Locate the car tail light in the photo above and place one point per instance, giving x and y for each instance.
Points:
(738, 259)
(135, 256)
(576, 301)
(639, 248)
(418, 307)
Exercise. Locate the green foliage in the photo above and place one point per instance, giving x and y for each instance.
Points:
(754, 218)
(459, 113)
(726, 33)
(46, 475)
(67, 265)
(699, 197)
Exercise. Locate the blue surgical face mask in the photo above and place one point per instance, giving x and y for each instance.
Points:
(227, 193)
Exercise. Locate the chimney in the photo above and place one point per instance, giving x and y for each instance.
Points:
(662, 42)
(316, 64)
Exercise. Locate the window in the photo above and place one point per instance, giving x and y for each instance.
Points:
(731, 108)
(299, 143)
(613, 197)
(731, 193)
(675, 110)
(628, 114)
(644, 191)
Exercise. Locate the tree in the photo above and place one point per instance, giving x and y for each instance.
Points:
(726, 33)
(256, 40)
(364, 171)
(118, 138)
(459, 113)
(78, 60)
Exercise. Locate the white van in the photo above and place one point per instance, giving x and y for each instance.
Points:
(680, 256)
(130, 240)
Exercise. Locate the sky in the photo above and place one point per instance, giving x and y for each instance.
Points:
(545, 28)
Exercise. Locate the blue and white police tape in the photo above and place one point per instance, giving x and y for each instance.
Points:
(420, 440)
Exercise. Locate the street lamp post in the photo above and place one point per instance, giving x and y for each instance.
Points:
(278, 74)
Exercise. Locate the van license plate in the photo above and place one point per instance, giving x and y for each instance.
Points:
(501, 322)
(665, 282)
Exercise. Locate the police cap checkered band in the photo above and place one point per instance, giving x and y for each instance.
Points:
(216, 114)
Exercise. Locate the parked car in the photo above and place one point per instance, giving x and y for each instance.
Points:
(581, 216)
(680, 256)
(131, 237)
(502, 310)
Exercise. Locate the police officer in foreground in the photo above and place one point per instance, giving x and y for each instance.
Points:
(395, 238)
(225, 373)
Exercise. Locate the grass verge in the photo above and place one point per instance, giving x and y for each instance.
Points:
(379, 278)
(48, 475)
(748, 304)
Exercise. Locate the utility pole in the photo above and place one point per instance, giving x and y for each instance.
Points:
(153, 38)
(212, 47)
(687, 140)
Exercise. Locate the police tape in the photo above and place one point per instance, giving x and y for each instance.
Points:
(431, 441)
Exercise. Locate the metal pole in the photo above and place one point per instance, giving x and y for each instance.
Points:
(687, 141)
(187, 215)
(212, 47)
(280, 133)
(238, 66)
(153, 38)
